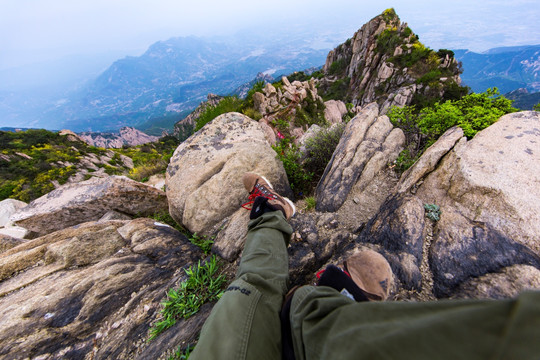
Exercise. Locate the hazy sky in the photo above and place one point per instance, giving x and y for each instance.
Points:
(37, 30)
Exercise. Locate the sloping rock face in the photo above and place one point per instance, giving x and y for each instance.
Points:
(89, 292)
(487, 190)
(380, 64)
(89, 200)
(204, 177)
(9, 207)
(368, 144)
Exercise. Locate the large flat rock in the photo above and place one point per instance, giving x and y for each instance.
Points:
(91, 291)
(89, 200)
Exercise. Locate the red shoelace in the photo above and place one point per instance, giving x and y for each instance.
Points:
(255, 194)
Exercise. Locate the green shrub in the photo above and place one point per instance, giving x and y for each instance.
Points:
(257, 87)
(203, 284)
(536, 107)
(252, 113)
(443, 52)
(299, 179)
(473, 113)
(337, 90)
(226, 105)
(339, 66)
(388, 41)
(389, 15)
(319, 150)
(405, 160)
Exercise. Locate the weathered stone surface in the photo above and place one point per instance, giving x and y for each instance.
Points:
(7, 242)
(90, 291)
(334, 111)
(368, 143)
(114, 215)
(15, 231)
(488, 191)
(204, 177)
(185, 332)
(230, 241)
(463, 249)
(9, 207)
(495, 178)
(399, 229)
(429, 159)
(89, 200)
(508, 283)
(310, 249)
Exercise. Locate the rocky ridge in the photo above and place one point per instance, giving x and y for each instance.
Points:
(126, 136)
(385, 63)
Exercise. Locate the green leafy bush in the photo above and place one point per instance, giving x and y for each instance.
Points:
(337, 90)
(319, 150)
(433, 212)
(203, 284)
(473, 113)
(406, 159)
(339, 66)
(226, 105)
(299, 178)
(388, 40)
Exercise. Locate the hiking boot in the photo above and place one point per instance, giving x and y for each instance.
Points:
(364, 276)
(263, 198)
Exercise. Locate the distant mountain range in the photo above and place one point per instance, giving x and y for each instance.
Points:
(164, 83)
(507, 68)
(155, 90)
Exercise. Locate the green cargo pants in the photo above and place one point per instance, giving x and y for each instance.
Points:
(245, 323)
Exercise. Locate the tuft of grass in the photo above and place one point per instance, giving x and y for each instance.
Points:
(203, 284)
(181, 354)
(310, 203)
(203, 242)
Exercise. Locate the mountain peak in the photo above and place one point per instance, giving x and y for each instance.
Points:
(385, 62)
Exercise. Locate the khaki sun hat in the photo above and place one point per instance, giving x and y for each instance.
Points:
(371, 272)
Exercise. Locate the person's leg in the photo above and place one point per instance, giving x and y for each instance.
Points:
(245, 324)
(327, 325)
